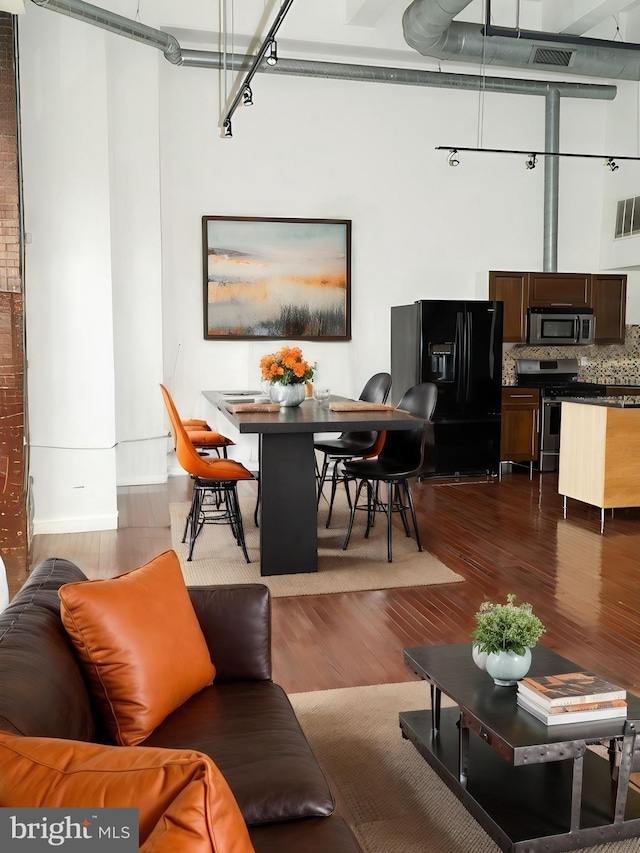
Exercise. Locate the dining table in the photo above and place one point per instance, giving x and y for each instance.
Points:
(288, 488)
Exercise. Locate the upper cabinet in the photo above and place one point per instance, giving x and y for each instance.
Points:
(559, 290)
(512, 288)
(609, 303)
(606, 294)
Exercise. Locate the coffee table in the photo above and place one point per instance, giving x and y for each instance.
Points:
(531, 787)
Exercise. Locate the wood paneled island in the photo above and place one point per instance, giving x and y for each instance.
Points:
(600, 452)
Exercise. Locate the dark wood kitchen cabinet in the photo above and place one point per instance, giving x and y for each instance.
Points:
(512, 288)
(609, 303)
(606, 294)
(519, 426)
(559, 290)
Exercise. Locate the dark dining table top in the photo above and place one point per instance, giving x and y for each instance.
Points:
(311, 416)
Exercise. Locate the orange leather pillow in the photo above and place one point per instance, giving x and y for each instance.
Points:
(141, 645)
(184, 803)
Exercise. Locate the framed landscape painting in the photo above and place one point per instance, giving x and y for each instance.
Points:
(276, 278)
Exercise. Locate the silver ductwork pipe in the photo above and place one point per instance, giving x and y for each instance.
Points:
(401, 76)
(168, 44)
(430, 29)
(551, 181)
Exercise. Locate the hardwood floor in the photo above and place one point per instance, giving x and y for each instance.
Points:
(501, 537)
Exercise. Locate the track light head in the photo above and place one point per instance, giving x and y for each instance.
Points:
(226, 129)
(247, 96)
(453, 158)
(530, 162)
(272, 56)
(611, 163)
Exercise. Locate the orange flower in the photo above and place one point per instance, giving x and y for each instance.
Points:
(286, 366)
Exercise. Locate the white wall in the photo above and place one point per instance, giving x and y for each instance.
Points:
(68, 276)
(139, 160)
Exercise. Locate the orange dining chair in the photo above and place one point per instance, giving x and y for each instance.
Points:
(216, 478)
(204, 438)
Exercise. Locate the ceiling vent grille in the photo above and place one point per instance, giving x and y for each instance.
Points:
(550, 56)
(628, 217)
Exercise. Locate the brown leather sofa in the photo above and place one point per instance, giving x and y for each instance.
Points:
(243, 721)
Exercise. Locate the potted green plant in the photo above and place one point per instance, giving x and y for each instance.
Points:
(503, 638)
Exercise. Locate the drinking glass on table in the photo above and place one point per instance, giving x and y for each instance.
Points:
(322, 393)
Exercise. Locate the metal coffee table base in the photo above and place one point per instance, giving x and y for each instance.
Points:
(531, 787)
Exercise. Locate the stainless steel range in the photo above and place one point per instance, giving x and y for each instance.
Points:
(557, 379)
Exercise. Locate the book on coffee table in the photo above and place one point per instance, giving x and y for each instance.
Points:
(586, 713)
(571, 688)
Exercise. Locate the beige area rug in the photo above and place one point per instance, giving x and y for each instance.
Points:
(217, 558)
(396, 802)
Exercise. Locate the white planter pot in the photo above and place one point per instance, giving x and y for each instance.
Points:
(507, 667)
(287, 395)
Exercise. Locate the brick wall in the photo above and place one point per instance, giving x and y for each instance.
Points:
(13, 511)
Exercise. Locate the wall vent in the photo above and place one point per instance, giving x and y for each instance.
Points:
(551, 56)
(628, 217)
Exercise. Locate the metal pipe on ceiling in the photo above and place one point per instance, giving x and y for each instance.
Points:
(117, 24)
(402, 76)
(430, 29)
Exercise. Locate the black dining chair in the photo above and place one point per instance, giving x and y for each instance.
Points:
(351, 445)
(403, 456)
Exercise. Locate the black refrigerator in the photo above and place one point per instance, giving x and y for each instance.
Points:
(457, 345)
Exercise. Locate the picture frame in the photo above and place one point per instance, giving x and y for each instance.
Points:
(270, 278)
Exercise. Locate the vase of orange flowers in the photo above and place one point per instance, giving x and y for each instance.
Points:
(286, 371)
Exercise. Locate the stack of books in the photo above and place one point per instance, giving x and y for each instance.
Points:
(574, 697)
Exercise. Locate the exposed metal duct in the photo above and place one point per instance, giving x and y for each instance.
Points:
(107, 20)
(401, 76)
(430, 29)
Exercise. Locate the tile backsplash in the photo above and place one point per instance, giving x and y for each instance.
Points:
(611, 364)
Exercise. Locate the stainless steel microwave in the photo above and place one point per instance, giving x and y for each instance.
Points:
(561, 326)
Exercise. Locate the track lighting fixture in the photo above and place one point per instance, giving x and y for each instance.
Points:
(532, 156)
(272, 56)
(269, 50)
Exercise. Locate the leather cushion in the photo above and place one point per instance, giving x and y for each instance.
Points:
(208, 438)
(183, 801)
(42, 687)
(141, 645)
(326, 834)
(251, 732)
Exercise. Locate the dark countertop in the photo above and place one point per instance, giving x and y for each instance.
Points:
(628, 401)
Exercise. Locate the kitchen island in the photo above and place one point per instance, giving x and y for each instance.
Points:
(600, 452)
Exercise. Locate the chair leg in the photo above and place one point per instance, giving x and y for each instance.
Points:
(256, 510)
(195, 526)
(413, 514)
(334, 485)
(236, 524)
(401, 507)
(322, 476)
(352, 514)
(372, 506)
(389, 520)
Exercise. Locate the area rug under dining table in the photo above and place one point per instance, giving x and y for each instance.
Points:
(217, 558)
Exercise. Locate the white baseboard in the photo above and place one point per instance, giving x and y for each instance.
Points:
(75, 525)
(152, 480)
